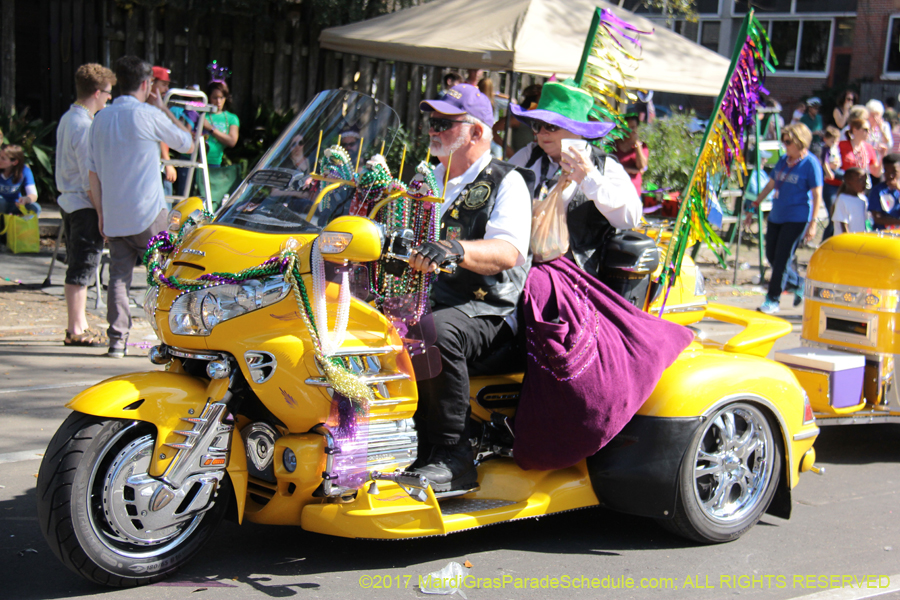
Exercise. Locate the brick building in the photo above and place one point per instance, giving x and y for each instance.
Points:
(820, 44)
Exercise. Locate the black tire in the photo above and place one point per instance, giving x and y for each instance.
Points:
(71, 514)
(740, 453)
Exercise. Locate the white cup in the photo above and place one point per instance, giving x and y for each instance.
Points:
(574, 145)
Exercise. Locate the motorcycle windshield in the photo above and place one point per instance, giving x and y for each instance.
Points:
(279, 194)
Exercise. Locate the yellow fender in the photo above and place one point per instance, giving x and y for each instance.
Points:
(162, 398)
(703, 379)
(760, 331)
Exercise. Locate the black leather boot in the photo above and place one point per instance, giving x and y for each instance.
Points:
(450, 468)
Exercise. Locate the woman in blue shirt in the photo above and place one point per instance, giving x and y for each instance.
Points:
(797, 181)
(16, 182)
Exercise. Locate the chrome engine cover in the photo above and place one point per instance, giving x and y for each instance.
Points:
(259, 444)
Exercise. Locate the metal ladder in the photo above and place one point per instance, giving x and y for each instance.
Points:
(187, 99)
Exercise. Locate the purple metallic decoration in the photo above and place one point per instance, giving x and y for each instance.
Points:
(350, 429)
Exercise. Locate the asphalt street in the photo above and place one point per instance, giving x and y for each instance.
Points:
(842, 542)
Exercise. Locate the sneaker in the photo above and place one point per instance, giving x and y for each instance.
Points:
(450, 468)
(116, 353)
(769, 307)
(798, 296)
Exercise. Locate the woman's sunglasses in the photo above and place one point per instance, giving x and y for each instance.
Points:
(441, 125)
(536, 127)
(787, 141)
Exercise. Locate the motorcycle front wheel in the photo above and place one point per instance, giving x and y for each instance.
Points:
(94, 494)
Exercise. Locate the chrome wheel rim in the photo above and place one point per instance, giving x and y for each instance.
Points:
(733, 463)
(115, 492)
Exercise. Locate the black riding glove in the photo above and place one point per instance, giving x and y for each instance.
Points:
(442, 252)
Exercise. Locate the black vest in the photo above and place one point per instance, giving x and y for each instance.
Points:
(588, 228)
(466, 219)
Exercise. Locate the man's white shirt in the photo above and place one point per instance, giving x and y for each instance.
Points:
(510, 219)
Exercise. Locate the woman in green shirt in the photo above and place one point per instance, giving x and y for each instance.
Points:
(221, 128)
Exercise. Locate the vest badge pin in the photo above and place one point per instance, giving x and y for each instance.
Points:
(477, 195)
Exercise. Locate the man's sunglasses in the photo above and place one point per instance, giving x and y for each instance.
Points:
(441, 125)
(536, 127)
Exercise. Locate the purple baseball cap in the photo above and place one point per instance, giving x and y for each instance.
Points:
(462, 99)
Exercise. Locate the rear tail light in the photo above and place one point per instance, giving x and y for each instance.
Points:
(808, 416)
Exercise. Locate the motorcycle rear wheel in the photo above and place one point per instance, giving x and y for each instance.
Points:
(76, 504)
(728, 476)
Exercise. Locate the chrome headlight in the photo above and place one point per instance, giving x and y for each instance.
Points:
(196, 313)
(150, 301)
(174, 221)
(699, 282)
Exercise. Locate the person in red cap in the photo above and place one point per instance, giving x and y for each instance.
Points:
(160, 87)
(485, 231)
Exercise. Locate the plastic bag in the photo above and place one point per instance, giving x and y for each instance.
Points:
(22, 233)
(549, 232)
(448, 580)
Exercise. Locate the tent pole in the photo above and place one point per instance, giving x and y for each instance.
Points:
(513, 92)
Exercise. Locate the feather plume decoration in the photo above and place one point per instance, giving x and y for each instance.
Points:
(608, 61)
(722, 150)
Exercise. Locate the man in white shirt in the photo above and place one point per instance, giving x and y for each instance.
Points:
(485, 231)
(124, 178)
(80, 213)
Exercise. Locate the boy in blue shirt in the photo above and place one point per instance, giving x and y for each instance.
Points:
(884, 198)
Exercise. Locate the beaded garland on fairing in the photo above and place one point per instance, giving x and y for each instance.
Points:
(722, 151)
(349, 416)
(286, 264)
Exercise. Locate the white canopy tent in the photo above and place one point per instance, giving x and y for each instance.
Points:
(541, 37)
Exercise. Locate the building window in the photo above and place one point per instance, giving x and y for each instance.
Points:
(892, 52)
(801, 46)
(687, 29)
(817, 6)
(709, 34)
(800, 6)
(708, 7)
(762, 6)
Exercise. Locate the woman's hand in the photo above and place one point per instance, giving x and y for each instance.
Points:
(207, 125)
(575, 164)
(810, 231)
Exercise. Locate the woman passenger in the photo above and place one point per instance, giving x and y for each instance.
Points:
(599, 195)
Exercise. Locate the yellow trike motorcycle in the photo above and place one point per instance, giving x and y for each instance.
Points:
(277, 326)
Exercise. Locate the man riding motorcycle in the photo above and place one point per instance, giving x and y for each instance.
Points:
(485, 230)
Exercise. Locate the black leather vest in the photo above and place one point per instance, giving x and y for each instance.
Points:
(466, 219)
(588, 228)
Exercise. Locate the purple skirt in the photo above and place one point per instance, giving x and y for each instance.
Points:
(593, 360)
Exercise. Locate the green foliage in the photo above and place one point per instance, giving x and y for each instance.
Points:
(203, 7)
(685, 9)
(33, 136)
(257, 137)
(673, 150)
(330, 13)
(416, 151)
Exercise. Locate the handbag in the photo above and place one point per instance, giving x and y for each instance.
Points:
(549, 231)
(22, 233)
